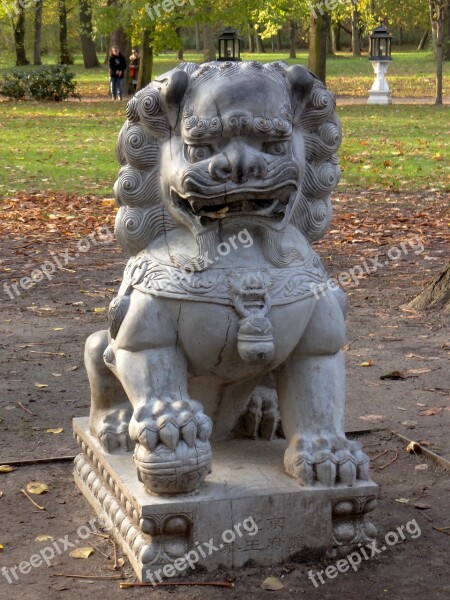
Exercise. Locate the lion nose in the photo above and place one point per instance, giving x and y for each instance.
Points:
(238, 165)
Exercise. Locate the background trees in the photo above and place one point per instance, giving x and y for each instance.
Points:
(68, 27)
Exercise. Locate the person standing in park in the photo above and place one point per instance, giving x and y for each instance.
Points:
(134, 68)
(117, 67)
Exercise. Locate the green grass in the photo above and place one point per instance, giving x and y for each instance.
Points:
(60, 147)
(399, 148)
(411, 73)
(70, 147)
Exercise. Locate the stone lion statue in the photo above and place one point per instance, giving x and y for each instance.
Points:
(226, 171)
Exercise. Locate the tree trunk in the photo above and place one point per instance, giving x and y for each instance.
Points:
(180, 54)
(400, 36)
(356, 41)
(251, 40)
(292, 39)
(37, 44)
(146, 60)
(423, 40)
(90, 59)
(436, 294)
(19, 35)
(318, 35)
(64, 55)
(278, 41)
(259, 44)
(198, 45)
(209, 52)
(330, 50)
(336, 38)
(438, 10)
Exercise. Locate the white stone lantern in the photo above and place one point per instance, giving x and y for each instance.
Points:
(380, 56)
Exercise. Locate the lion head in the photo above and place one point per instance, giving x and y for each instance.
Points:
(206, 146)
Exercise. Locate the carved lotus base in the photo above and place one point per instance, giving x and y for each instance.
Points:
(246, 485)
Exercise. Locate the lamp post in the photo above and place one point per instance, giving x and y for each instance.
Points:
(380, 56)
(229, 45)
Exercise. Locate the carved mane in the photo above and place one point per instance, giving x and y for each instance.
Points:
(143, 217)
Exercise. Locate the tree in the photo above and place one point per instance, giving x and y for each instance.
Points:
(90, 59)
(438, 14)
(318, 39)
(64, 54)
(18, 23)
(436, 294)
(356, 40)
(37, 46)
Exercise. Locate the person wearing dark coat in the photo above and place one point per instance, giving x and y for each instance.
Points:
(117, 67)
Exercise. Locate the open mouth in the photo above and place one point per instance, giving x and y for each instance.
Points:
(271, 204)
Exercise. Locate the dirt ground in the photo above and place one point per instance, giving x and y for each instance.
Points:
(43, 386)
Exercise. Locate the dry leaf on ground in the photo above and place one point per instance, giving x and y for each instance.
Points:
(272, 583)
(44, 538)
(429, 412)
(58, 430)
(82, 552)
(372, 418)
(36, 487)
(6, 469)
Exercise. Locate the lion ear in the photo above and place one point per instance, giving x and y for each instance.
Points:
(301, 82)
(172, 92)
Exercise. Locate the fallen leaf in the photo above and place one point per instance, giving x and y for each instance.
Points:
(58, 430)
(421, 467)
(422, 505)
(56, 374)
(421, 404)
(410, 424)
(1, 494)
(44, 538)
(72, 368)
(58, 328)
(81, 552)
(272, 583)
(1, 547)
(5, 469)
(372, 418)
(113, 566)
(100, 309)
(36, 487)
(395, 375)
(367, 363)
(402, 500)
(40, 385)
(413, 447)
(429, 412)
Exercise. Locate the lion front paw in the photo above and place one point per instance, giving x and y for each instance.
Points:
(172, 453)
(328, 461)
(111, 428)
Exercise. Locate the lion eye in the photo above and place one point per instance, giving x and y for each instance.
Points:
(198, 153)
(276, 148)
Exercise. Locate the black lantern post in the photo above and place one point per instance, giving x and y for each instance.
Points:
(229, 45)
(380, 44)
(380, 56)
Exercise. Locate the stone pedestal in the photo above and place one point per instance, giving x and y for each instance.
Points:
(379, 92)
(247, 509)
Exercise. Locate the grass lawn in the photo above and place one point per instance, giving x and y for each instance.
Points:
(411, 74)
(70, 147)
